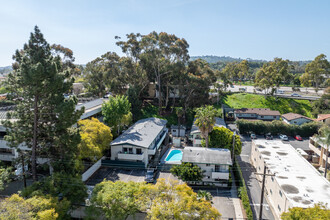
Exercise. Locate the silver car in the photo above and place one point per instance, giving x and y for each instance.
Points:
(283, 137)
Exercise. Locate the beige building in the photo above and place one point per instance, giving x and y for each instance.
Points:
(264, 114)
(296, 182)
(320, 152)
(295, 119)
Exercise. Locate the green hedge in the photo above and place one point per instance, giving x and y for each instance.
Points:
(242, 191)
(277, 127)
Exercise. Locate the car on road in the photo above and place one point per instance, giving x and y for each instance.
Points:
(295, 95)
(253, 136)
(283, 137)
(232, 86)
(268, 136)
(150, 175)
(297, 137)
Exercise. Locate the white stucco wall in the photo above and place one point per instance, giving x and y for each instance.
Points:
(298, 121)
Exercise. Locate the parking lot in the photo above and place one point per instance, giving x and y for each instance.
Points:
(126, 175)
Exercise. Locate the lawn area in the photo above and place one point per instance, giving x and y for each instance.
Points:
(283, 105)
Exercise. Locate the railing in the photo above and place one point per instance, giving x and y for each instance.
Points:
(123, 156)
(220, 175)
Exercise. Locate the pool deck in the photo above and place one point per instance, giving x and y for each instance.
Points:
(162, 160)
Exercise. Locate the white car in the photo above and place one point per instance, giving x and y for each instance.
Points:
(283, 137)
(295, 95)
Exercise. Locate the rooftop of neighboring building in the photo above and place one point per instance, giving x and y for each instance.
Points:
(177, 127)
(219, 122)
(302, 184)
(142, 133)
(90, 104)
(292, 116)
(202, 155)
(322, 117)
(258, 111)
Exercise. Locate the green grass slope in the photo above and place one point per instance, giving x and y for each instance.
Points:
(283, 105)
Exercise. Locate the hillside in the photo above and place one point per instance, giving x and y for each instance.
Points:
(215, 59)
(5, 70)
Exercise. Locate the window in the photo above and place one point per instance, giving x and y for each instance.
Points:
(6, 151)
(207, 165)
(274, 116)
(280, 193)
(174, 130)
(2, 134)
(130, 150)
(271, 192)
(272, 179)
(262, 116)
(125, 150)
(279, 208)
(138, 151)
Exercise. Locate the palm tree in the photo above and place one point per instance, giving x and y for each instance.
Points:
(202, 194)
(324, 138)
(205, 120)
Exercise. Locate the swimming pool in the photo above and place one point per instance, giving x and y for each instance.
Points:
(174, 155)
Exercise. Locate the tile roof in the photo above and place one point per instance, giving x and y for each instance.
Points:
(291, 116)
(206, 155)
(142, 133)
(322, 117)
(258, 111)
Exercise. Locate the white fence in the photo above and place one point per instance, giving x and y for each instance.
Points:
(92, 170)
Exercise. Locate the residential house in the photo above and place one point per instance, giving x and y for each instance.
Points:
(296, 183)
(257, 114)
(325, 118)
(320, 152)
(195, 133)
(214, 163)
(175, 131)
(140, 142)
(295, 119)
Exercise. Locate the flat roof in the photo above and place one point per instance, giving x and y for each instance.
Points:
(219, 122)
(206, 155)
(258, 111)
(302, 184)
(142, 133)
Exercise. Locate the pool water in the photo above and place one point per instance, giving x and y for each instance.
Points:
(174, 155)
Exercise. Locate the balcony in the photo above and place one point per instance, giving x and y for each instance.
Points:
(7, 157)
(220, 175)
(127, 156)
(158, 143)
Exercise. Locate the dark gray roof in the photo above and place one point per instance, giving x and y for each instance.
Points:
(206, 155)
(142, 133)
(219, 122)
(90, 104)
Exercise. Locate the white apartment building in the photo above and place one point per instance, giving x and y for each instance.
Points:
(296, 182)
(320, 150)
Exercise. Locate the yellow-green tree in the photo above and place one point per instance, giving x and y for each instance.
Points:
(95, 138)
(16, 207)
(318, 212)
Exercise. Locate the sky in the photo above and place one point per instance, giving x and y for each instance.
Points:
(258, 29)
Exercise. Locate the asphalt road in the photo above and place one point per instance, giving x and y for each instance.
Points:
(253, 185)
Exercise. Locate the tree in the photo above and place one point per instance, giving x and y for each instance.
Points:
(317, 71)
(45, 118)
(159, 55)
(95, 139)
(227, 74)
(243, 70)
(4, 176)
(16, 207)
(202, 194)
(117, 112)
(221, 137)
(205, 120)
(322, 105)
(187, 172)
(179, 113)
(324, 138)
(318, 212)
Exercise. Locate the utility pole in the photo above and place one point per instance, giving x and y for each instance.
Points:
(263, 189)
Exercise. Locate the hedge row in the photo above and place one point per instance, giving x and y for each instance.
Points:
(277, 127)
(242, 191)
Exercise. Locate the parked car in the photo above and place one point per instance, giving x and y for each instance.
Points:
(150, 175)
(232, 86)
(280, 91)
(268, 136)
(283, 137)
(295, 95)
(297, 137)
(253, 136)
(242, 89)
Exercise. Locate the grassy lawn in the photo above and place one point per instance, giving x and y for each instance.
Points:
(244, 100)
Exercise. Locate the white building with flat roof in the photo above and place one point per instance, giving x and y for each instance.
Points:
(296, 182)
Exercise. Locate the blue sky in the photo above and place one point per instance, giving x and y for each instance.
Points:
(260, 29)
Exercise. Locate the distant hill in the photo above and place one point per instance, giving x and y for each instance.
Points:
(215, 59)
(5, 70)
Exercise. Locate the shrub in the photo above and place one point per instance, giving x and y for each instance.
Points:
(277, 127)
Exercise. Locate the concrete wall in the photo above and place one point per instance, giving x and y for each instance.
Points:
(175, 132)
(88, 173)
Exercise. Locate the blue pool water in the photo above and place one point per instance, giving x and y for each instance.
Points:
(174, 155)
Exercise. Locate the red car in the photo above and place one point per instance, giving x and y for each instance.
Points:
(297, 137)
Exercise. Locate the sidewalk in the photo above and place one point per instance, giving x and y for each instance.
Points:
(236, 201)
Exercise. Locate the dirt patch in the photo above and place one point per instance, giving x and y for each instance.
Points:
(290, 189)
(267, 153)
